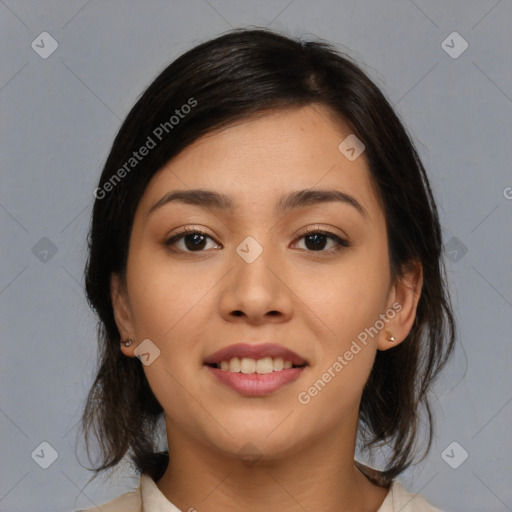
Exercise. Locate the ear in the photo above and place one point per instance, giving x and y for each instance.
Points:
(122, 313)
(403, 301)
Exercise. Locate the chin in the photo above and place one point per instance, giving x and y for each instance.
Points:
(257, 440)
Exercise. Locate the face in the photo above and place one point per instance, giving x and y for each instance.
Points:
(306, 273)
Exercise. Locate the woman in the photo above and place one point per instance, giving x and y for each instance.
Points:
(265, 261)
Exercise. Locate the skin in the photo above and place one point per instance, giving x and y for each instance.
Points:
(191, 304)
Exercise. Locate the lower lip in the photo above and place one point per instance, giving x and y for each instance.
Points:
(254, 384)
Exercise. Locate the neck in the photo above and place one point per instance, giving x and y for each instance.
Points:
(320, 476)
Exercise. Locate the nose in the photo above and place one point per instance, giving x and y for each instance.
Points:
(256, 291)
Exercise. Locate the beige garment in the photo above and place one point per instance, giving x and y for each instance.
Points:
(148, 498)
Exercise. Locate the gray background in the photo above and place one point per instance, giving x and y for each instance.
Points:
(59, 116)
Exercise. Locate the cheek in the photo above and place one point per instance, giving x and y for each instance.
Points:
(347, 297)
(161, 296)
(349, 300)
(350, 307)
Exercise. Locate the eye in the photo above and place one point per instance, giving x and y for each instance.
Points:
(317, 239)
(191, 240)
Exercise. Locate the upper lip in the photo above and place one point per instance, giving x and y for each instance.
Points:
(255, 351)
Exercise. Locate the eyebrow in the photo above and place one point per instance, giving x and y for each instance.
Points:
(297, 199)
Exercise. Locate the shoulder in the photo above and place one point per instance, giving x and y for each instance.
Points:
(128, 502)
(147, 497)
(398, 499)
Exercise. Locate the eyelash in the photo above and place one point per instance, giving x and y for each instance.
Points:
(341, 243)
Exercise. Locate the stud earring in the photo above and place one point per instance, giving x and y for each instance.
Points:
(391, 338)
(127, 343)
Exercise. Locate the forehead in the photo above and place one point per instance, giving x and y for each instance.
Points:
(260, 159)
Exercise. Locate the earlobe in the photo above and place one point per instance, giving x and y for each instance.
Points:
(404, 298)
(122, 314)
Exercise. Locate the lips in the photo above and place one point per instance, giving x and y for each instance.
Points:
(255, 370)
(254, 385)
(254, 351)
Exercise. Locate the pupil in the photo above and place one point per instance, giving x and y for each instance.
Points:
(197, 238)
(317, 244)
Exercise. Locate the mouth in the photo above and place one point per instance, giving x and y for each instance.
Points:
(255, 370)
(261, 358)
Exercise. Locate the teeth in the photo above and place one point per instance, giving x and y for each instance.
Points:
(234, 365)
(278, 364)
(247, 365)
(260, 366)
(264, 365)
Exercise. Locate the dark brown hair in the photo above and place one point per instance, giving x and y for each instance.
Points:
(231, 78)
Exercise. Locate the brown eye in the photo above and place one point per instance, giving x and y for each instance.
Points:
(318, 240)
(190, 240)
